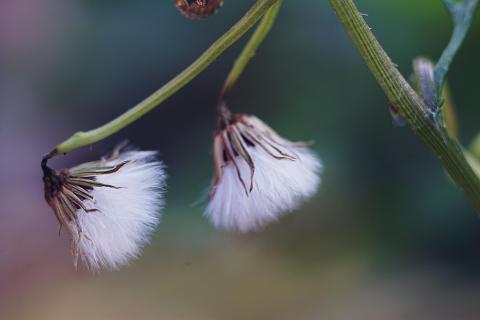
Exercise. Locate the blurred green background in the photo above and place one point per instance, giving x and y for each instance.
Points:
(387, 237)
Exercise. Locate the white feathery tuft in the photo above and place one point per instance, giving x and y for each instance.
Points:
(279, 187)
(127, 215)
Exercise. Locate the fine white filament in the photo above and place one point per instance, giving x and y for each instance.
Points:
(279, 187)
(126, 215)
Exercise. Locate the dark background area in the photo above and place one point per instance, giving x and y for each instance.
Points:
(387, 237)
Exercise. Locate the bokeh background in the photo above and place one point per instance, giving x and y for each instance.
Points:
(387, 236)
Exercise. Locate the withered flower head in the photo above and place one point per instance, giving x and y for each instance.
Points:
(259, 175)
(198, 9)
(109, 207)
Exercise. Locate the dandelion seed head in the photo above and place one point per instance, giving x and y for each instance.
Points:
(260, 176)
(110, 207)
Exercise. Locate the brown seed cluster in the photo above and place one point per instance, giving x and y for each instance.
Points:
(198, 9)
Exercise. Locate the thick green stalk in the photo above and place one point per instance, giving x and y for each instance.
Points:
(409, 104)
(81, 139)
(251, 47)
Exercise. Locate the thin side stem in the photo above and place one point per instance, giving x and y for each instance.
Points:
(462, 14)
(81, 139)
(250, 48)
(409, 104)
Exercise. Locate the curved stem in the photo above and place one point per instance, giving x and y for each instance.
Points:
(250, 48)
(409, 104)
(81, 139)
(462, 13)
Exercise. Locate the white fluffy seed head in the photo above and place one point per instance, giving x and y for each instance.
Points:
(279, 184)
(126, 215)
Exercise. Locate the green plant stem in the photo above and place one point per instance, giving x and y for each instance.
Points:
(81, 139)
(409, 104)
(250, 48)
(462, 14)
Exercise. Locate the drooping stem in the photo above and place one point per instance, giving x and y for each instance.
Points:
(81, 138)
(409, 104)
(250, 48)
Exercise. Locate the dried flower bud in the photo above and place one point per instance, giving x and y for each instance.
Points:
(259, 176)
(109, 207)
(198, 9)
